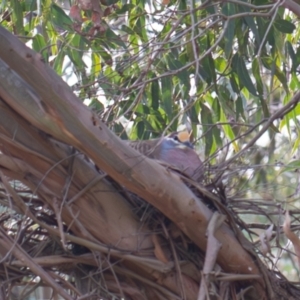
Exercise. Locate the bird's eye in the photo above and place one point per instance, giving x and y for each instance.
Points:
(176, 138)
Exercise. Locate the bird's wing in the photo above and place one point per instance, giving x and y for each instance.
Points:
(148, 148)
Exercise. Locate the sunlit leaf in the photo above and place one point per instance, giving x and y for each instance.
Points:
(96, 65)
(142, 109)
(296, 145)
(290, 117)
(228, 131)
(58, 62)
(220, 64)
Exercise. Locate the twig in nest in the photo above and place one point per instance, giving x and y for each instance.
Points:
(213, 247)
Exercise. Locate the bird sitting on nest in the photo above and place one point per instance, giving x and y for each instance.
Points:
(174, 149)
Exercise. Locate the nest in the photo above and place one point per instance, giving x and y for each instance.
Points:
(68, 228)
(41, 243)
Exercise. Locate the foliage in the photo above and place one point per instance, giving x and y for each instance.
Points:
(163, 64)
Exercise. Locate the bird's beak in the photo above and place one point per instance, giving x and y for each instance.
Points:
(188, 144)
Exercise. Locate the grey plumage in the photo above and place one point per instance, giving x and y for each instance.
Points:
(175, 150)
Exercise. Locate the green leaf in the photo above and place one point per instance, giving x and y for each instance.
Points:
(167, 101)
(261, 28)
(174, 65)
(137, 23)
(298, 55)
(60, 18)
(226, 100)
(296, 145)
(207, 69)
(239, 67)
(270, 64)
(250, 22)
(96, 105)
(109, 2)
(113, 38)
(234, 83)
(140, 129)
(291, 117)
(96, 65)
(220, 64)
(229, 133)
(127, 29)
(207, 122)
(265, 107)
(284, 26)
(58, 62)
(212, 68)
(217, 137)
(75, 52)
(189, 47)
(294, 83)
(194, 112)
(17, 16)
(155, 93)
(182, 5)
(239, 108)
(120, 131)
(263, 25)
(124, 9)
(256, 74)
(39, 45)
(295, 61)
(142, 110)
(103, 53)
(292, 166)
(216, 109)
(228, 9)
(229, 36)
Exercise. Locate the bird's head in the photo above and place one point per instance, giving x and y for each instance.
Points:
(179, 140)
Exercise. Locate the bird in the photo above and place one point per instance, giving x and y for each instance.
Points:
(175, 150)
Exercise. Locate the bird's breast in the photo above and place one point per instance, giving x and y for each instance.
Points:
(184, 159)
